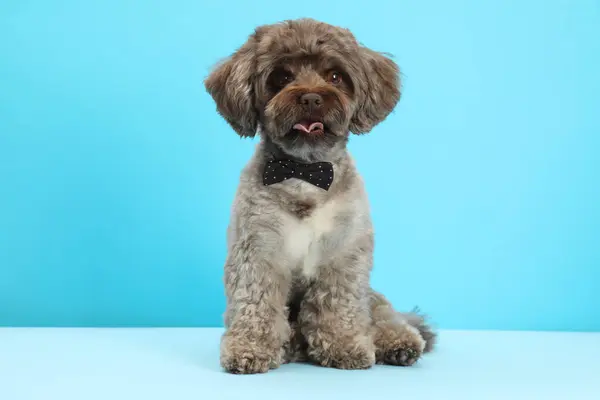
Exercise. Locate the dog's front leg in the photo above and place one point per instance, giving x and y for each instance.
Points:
(256, 320)
(334, 314)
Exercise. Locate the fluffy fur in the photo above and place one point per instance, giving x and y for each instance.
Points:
(300, 257)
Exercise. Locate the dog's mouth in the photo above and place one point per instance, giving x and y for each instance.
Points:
(310, 127)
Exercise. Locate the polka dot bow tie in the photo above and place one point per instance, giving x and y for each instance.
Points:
(319, 174)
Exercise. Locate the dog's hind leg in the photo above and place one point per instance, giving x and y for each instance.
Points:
(400, 338)
(296, 347)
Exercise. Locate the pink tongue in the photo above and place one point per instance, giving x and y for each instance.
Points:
(312, 127)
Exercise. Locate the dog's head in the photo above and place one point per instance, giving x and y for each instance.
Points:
(306, 85)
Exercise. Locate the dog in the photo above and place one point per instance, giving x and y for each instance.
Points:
(300, 238)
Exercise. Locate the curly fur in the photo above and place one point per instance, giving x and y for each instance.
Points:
(300, 257)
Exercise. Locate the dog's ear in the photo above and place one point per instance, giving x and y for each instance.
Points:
(380, 91)
(231, 86)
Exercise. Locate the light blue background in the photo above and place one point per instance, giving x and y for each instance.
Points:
(116, 173)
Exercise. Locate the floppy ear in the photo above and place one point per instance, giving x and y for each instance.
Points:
(231, 87)
(381, 91)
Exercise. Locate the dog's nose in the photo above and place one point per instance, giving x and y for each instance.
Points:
(311, 101)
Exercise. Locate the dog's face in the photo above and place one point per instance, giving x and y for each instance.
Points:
(306, 85)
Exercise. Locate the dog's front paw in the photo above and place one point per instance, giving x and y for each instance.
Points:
(243, 355)
(246, 362)
(343, 353)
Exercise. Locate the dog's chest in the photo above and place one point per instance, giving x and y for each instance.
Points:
(305, 233)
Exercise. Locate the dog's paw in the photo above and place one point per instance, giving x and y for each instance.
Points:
(404, 350)
(419, 321)
(247, 363)
(242, 356)
(403, 355)
(360, 360)
(344, 354)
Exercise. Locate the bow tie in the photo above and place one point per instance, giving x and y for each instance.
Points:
(319, 174)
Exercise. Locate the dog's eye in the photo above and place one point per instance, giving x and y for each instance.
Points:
(285, 78)
(334, 77)
(280, 78)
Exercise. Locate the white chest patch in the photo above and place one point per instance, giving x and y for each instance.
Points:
(302, 238)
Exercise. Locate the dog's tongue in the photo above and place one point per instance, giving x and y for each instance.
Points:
(308, 128)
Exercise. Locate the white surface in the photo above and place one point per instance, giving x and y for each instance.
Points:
(178, 364)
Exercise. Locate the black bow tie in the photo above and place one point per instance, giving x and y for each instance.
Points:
(319, 174)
